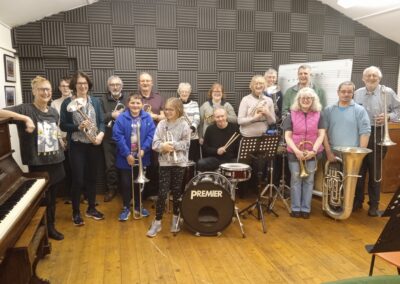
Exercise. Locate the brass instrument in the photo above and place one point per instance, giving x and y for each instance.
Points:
(209, 118)
(338, 188)
(141, 178)
(258, 107)
(91, 131)
(147, 108)
(118, 107)
(273, 90)
(169, 138)
(304, 171)
(385, 140)
(187, 119)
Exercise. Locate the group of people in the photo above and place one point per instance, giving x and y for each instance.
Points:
(70, 136)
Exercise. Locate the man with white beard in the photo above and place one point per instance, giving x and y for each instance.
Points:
(113, 104)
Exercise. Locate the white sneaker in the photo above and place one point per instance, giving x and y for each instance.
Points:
(154, 229)
(175, 226)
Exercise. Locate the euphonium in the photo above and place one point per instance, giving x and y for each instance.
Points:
(91, 131)
(338, 189)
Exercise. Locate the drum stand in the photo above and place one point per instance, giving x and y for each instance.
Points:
(233, 190)
(259, 148)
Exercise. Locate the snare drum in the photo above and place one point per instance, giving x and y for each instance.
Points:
(235, 172)
(207, 206)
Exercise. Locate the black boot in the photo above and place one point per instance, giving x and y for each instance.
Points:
(54, 234)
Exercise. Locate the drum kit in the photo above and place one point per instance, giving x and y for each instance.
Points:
(208, 201)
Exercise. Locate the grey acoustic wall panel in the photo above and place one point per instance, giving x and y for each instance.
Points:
(124, 58)
(30, 50)
(188, 3)
(54, 63)
(102, 58)
(331, 26)
(166, 16)
(227, 4)
(205, 80)
(186, 17)
(226, 19)
(100, 35)
(298, 42)
(53, 33)
(187, 38)
(261, 61)
(245, 20)
(32, 64)
(82, 55)
(264, 21)
(298, 57)
(227, 40)
(282, 5)
(129, 78)
(77, 34)
(167, 38)
(207, 39)
(189, 77)
(99, 79)
(281, 42)
(331, 43)
(376, 47)
(187, 59)
(316, 24)
(226, 61)
(100, 13)
(29, 34)
(145, 36)
(146, 59)
(207, 18)
(168, 80)
(244, 61)
(242, 80)
(263, 41)
(167, 60)
(54, 51)
(144, 14)
(361, 44)
(298, 22)
(208, 3)
(300, 6)
(245, 41)
(122, 13)
(246, 5)
(263, 5)
(227, 79)
(316, 7)
(347, 27)
(77, 15)
(282, 22)
(207, 61)
(123, 35)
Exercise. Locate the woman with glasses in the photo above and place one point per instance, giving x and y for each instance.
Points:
(40, 142)
(216, 99)
(304, 134)
(85, 132)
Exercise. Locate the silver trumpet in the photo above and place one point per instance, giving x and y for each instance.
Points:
(169, 138)
(118, 107)
(91, 131)
(141, 178)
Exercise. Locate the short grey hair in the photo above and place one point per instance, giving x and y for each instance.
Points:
(373, 69)
(269, 71)
(114, 77)
(184, 86)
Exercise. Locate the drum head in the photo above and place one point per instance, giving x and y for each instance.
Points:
(207, 208)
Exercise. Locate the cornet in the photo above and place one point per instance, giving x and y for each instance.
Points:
(141, 178)
(209, 118)
(169, 138)
(118, 107)
(258, 108)
(147, 108)
(91, 131)
(304, 171)
(385, 140)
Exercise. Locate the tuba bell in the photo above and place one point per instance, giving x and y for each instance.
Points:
(339, 186)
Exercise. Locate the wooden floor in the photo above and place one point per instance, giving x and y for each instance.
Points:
(292, 251)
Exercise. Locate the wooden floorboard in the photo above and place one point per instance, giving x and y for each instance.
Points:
(292, 251)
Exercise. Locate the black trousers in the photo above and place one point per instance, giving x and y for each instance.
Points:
(109, 149)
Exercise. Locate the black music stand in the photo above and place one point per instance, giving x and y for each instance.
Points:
(388, 240)
(393, 206)
(259, 148)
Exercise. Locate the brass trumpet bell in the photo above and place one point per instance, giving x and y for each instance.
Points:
(303, 171)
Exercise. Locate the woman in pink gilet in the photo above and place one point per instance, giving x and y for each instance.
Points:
(304, 134)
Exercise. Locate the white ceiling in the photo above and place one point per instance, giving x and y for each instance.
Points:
(381, 16)
(384, 19)
(19, 12)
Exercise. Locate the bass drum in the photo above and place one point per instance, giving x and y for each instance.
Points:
(207, 206)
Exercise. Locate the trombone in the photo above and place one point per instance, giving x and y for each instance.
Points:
(141, 178)
(385, 140)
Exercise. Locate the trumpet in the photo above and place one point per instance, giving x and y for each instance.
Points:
(304, 171)
(169, 138)
(118, 107)
(91, 131)
(141, 178)
(385, 138)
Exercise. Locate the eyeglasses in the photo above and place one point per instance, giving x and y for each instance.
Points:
(169, 109)
(64, 86)
(82, 83)
(115, 85)
(44, 90)
(306, 98)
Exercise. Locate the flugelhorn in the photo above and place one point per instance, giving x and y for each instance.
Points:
(141, 178)
(304, 171)
(91, 131)
(118, 107)
(258, 107)
(147, 108)
(385, 140)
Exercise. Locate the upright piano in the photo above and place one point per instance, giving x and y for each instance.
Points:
(23, 230)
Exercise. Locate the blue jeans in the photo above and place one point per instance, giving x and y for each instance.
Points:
(301, 188)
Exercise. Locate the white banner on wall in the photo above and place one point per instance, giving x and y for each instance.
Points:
(325, 74)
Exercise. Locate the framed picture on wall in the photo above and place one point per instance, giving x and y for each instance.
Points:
(9, 68)
(9, 92)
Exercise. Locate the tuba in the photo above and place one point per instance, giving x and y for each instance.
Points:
(91, 131)
(338, 188)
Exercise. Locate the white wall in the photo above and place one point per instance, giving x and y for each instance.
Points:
(6, 48)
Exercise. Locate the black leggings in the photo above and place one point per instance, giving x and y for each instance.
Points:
(170, 180)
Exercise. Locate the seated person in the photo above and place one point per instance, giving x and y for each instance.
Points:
(215, 139)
